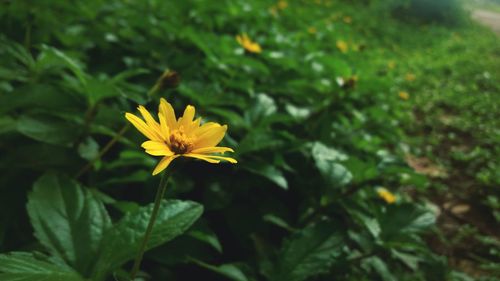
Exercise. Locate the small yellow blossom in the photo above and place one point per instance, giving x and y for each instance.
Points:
(391, 64)
(404, 95)
(342, 46)
(248, 44)
(282, 4)
(410, 77)
(172, 138)
(312, 30)
(386, 195)
(347, 19)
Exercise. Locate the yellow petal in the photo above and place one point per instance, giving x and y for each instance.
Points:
(211, 158)
(149, 119)
(239, 39)
(168, 112)
(163, 152)
(228, 159)
(202, 157)
(211, 137)
(187, 118)
(204, 128)
(213, 149)
(163, 164)
(155, 145)
(141, 126)
(165, 130)
(193, 126)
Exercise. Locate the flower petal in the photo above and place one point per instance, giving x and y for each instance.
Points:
(156, 145)
(212, 149)
(228, 159)
(168, 112)
(204, 128)
(142, 126)
(149, 119)
(202, 157)
(163, 164)
(187, 118)
(211, 137)
(193, 126)
(165, 130)
(211, 158)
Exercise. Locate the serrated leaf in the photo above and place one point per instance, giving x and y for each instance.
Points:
(309, 252)
(121, 243)
(68, 220)
(19, 266)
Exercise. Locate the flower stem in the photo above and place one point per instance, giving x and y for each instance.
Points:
(159, 196)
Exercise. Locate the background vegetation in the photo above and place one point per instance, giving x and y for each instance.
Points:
(347, 97)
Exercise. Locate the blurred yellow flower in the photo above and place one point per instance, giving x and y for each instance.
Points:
(248, 44)
(342, 46)
(404, 95)
(410, 77)
(347, 19)
(282, 4)
(172, 138)
(386, 195)
(312, 30)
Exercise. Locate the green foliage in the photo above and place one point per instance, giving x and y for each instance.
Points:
(29, 267)
(316, 131)
(68, 220)
(120, 243)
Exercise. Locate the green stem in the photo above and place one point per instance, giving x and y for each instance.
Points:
(103, 151)
(159, 196)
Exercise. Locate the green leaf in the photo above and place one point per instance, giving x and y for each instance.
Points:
(18, 266)
(228, 270)
(326, 159)
(381, 268)
(121, 243)
(97, 90)
(309, 252)
(268, 171)
(405, 219)
(88, 149)
(68, 220)
(48, 129)
(202, 232)
(52, 57)
(335, 174)
(321, 152)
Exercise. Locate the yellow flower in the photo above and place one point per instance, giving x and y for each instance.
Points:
(404, 95)
(410, 77)
(312, 30)
(282, 4)
(386, 195)
(248, 44)
(342, 46)
(172, 138)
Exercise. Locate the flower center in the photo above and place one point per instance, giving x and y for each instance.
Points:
(180, 143)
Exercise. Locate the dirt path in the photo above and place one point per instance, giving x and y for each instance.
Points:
(490, 19)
